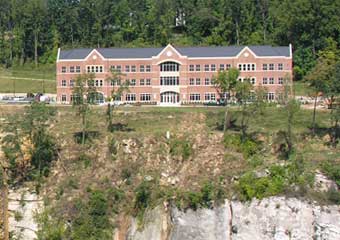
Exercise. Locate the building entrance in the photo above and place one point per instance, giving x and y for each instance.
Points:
(169, 98)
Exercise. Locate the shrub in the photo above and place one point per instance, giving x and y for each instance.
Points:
(333, 195)
(179, 147)
(332, 171)
(248, 147)
(250, 186)
(113, 147)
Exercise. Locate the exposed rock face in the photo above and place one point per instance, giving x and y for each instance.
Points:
(155, 226)
(275, 218)
(203, 224)
(23, 206)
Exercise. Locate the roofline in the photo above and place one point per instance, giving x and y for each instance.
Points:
(244, 49)
(172, 47)
(176, 51)
(96, 51)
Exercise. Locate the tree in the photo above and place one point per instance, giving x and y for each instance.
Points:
(324, 77)
(291, 107)
(243, 95)
(225, 82)
(119, 87)
(84, 93)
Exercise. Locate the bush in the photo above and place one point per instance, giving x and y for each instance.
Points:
(113, 147)
(333, 195)
(250, 186)
(248, 147)
(332, 171)
(181, 148)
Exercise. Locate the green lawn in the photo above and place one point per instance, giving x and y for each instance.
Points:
(28, 79)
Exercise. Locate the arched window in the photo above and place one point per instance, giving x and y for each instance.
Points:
(169, 67)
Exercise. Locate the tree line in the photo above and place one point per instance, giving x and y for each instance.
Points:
(32, 30)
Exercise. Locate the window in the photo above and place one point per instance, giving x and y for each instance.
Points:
(280, 80)
(210, 97)
(169, 81)
(63, 69)
(78, 69)
(99, 83)
(245, 67)
(148, 68)
(265, 81)
(72, 83)
(270, 96)
(119, 68)
(198, 68)
(271, 66)
(206, 67)
(130, 97)
(195, 97)
(142, 68)
(280, 66)
(169, 67)
(198, 81)
(265, 67)
(240, 79)
(72, 98)
(148, 81)
(72, 69)
(127, 68)
(133, 68)
(207, 81)
(63, 98)
(213, 67)
(145, 97)
(191, 68)
(221, 67)
(133, 82)
(192, 81)
(63, 83)
(142, 82)
(271, 80)
(115, 82)
(227, 66)
(253, 81)
(95, 68)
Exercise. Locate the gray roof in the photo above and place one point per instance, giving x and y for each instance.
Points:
(126, 53)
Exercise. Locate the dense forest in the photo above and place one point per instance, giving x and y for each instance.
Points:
(32, 30)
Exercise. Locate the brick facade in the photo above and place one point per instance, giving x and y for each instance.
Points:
(194, 74)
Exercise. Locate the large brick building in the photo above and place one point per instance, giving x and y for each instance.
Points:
(171, 75)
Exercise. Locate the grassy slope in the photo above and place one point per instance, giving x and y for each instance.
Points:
(143, 150)
(28, 79)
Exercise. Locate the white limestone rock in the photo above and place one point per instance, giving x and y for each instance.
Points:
(203, 224)
(25, 205)
(327, 223)
(274, 218)
(155, 226)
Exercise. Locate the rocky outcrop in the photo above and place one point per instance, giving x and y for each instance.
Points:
(203, 224)
(23, 205)
(275, 218)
